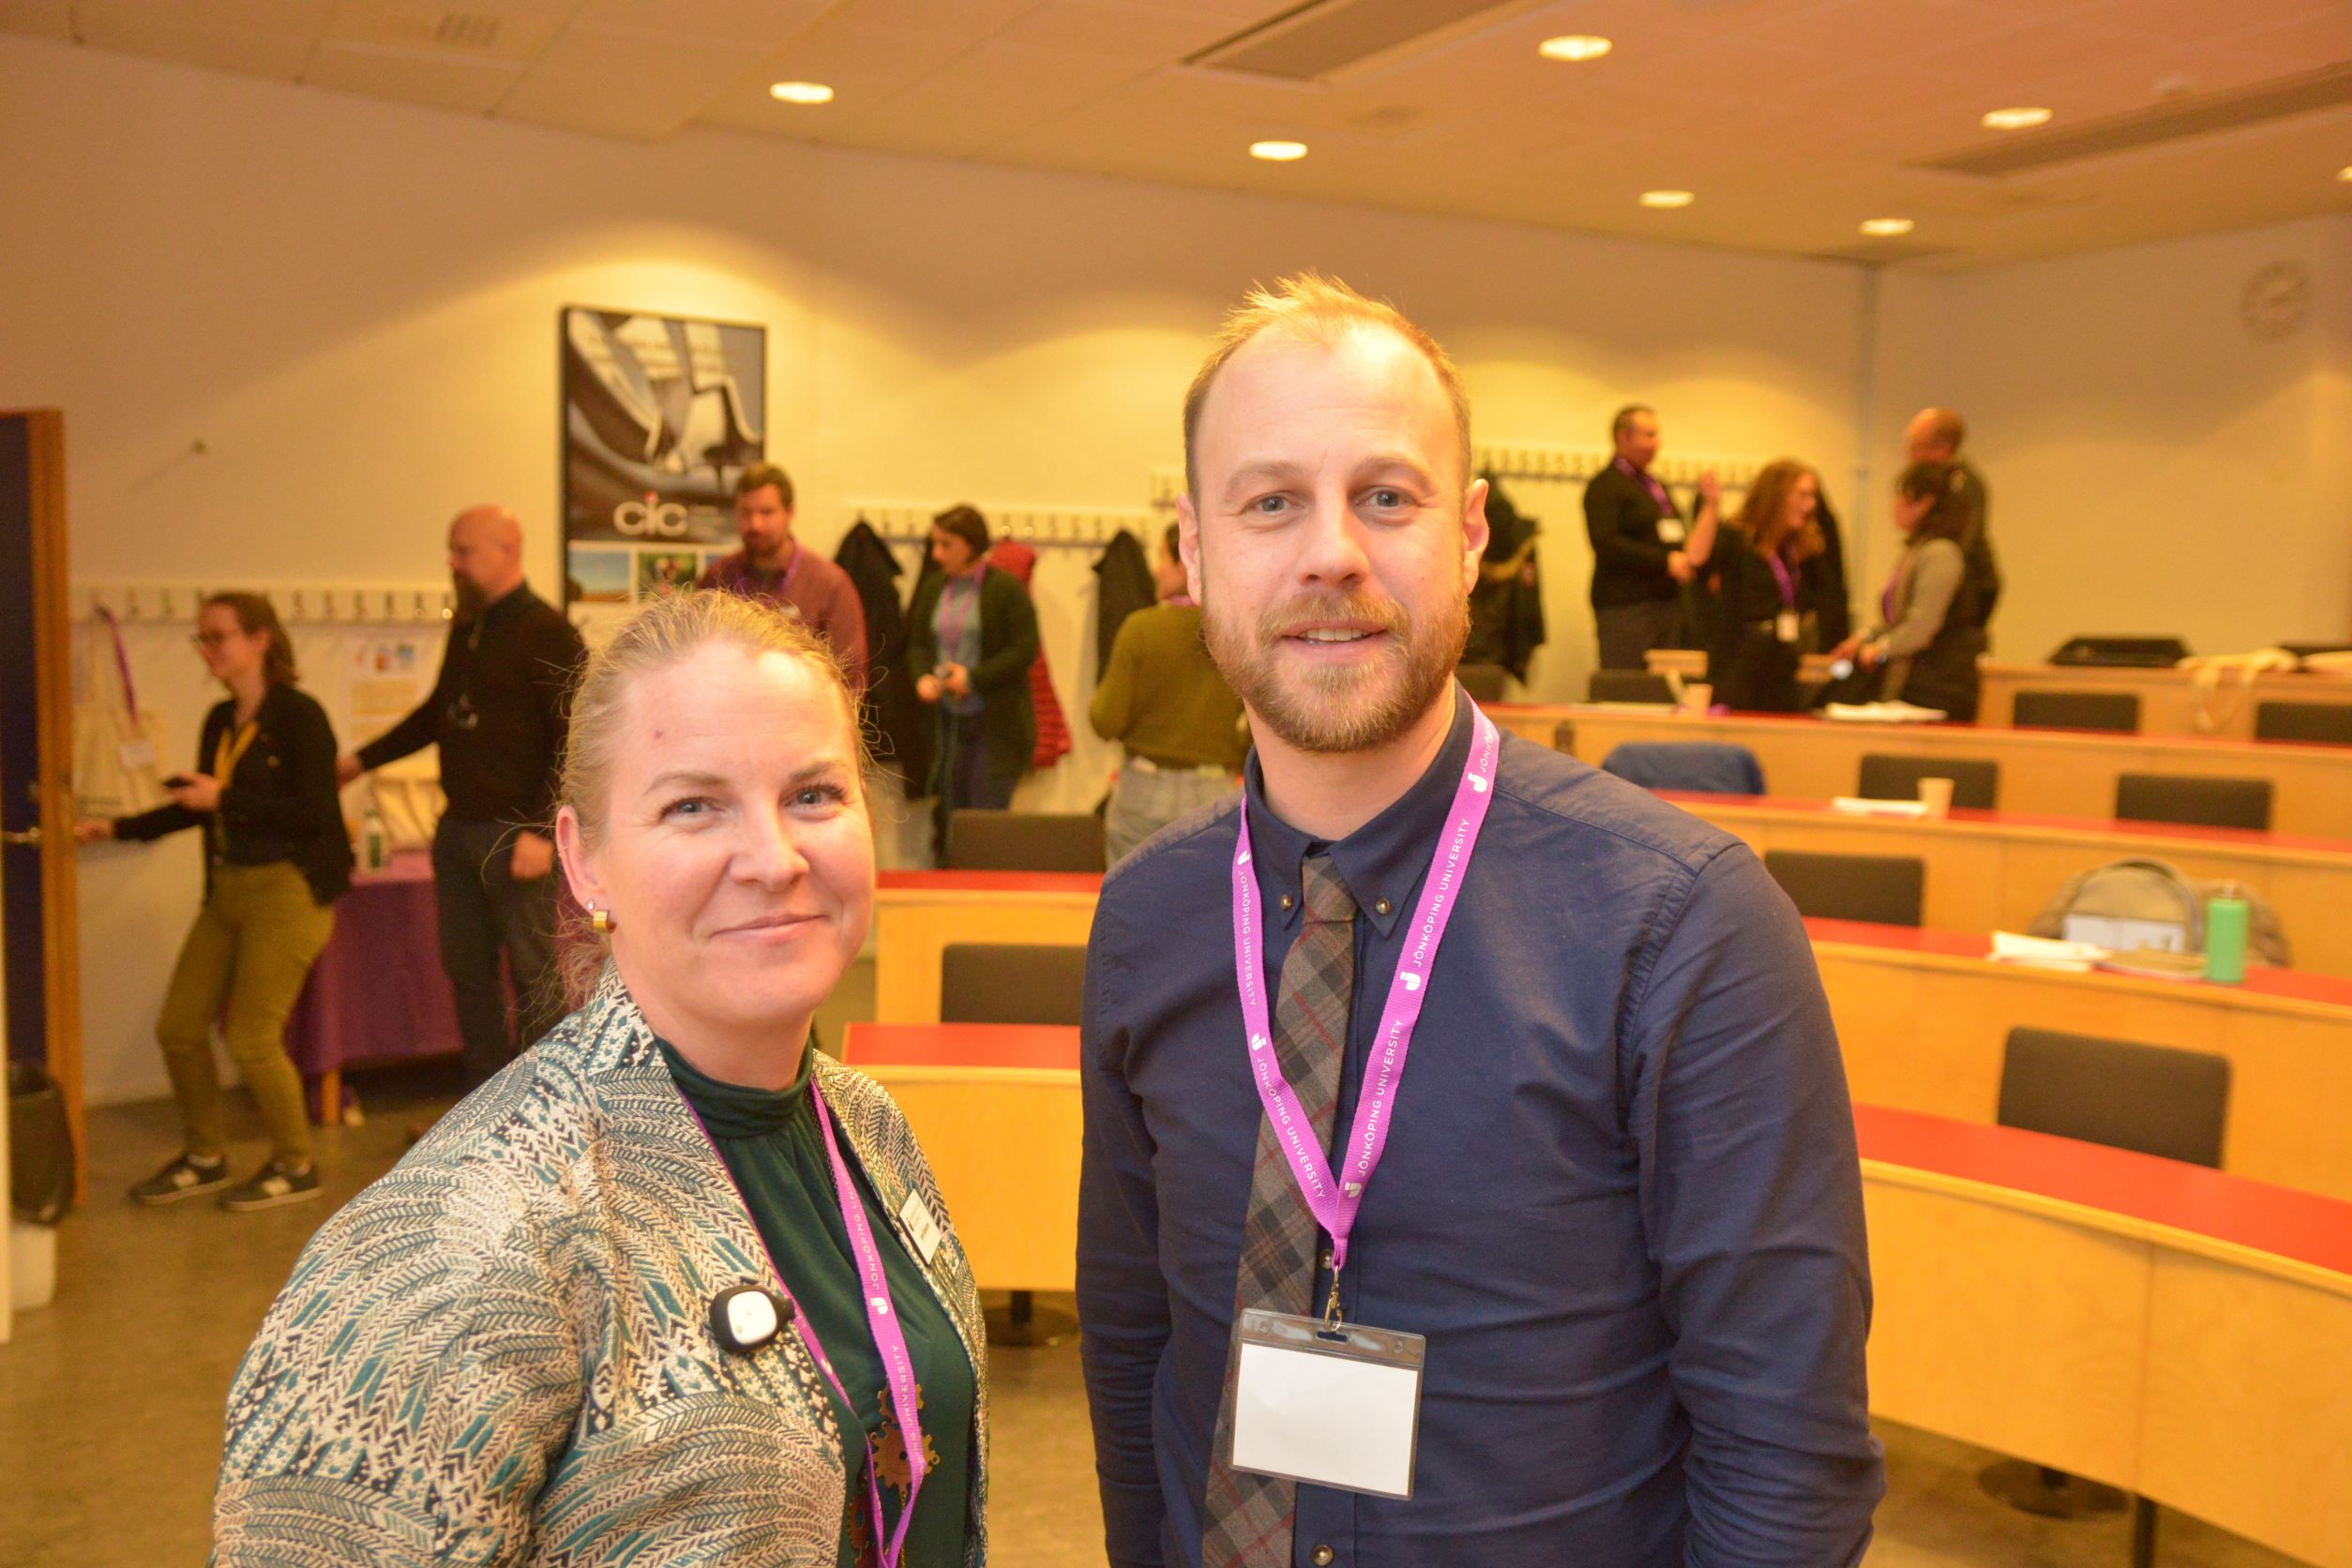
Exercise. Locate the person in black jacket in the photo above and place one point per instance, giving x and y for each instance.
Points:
(972, 634)
(497, 713)
(1755, 566)
(276, 858)
(1640, 565)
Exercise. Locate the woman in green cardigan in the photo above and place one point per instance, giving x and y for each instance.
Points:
(972, 633)
(673, 1288)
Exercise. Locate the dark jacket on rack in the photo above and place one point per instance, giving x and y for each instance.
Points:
(1008, 646)
(1750, 668)
(1507, 603)
(901, 723)
(1629, 559)
(278, 803)
(1123, 585)
(1821, 587)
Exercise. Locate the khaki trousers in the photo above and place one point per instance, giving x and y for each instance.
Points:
(247, 958)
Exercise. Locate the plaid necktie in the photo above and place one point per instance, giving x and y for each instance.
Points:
(1247, 1519)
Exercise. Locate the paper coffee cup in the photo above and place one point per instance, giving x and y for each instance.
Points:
(1937, 795)
(1697, 696)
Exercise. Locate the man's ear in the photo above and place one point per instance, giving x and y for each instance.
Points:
(1188, 545)
(1475, 531)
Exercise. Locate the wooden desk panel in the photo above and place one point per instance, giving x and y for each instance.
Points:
(1992, 870)
(2043, 772)
(2168, 701)
(918, 913)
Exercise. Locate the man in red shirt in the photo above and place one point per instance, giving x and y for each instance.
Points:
(773, 566)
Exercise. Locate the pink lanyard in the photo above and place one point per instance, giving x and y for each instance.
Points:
(1787, 583)
(1657, 490)
(889, 1338)
(1334, 1204)
(954, 609)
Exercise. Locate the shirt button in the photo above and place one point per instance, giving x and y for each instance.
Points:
(1381, 906)
(1325, 1258)
(1287, 900)
(1322, 1556)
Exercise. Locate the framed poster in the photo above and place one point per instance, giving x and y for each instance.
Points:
(660, 414)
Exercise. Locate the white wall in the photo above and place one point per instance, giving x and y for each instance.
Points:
(2154, 466)
(353, 305)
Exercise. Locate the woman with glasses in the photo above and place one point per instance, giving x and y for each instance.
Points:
(276, 858)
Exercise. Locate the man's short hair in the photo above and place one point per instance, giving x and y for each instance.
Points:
(1947, 426)
(1623, 420)
(1309, 308)
(764, 474)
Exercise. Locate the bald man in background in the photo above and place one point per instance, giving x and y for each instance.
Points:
(497, 713)
(1936, 435)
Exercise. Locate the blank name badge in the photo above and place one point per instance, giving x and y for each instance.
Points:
(1333, 1407)
(1670, 530)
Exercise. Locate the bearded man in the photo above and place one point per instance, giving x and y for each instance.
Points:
(1587, 1282)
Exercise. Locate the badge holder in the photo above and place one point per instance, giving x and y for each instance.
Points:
(1330, 1405)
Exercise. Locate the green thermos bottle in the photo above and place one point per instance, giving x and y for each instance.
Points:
(2225, 937)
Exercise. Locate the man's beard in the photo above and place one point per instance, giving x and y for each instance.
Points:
(1338, 708)
(468, 595)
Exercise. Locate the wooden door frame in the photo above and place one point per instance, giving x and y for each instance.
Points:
(53, 632)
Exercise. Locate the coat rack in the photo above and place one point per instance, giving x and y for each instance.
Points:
(1040, 527)
(298, 604)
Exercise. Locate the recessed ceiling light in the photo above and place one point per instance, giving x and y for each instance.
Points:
(1575, 46)
(801, 91)
(1666, 198)
(1278, 152)
(2344, 174)
(1886, 226)
(2017, 119)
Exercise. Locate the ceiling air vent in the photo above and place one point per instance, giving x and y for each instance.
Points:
(2329, 87)
(1306, 43)
(430, 29)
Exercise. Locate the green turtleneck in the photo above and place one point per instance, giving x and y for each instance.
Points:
(771, 1144)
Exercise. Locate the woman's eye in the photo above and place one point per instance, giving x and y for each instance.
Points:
(821, 795)
(693, 806)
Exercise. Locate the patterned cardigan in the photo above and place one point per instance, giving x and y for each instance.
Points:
(500, 1353)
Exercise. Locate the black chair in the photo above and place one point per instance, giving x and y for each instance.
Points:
(990, 982)
(2118, 711)
(1024, 842)
(1888, 889)
(1975, 785)
(1484, 682)
(1628, 685)
(2163, 797)
(2150, 1099)
(1564, 738)
(2327, 723)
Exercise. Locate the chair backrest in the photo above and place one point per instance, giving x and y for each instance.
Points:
(1628, 685)
(987, 982)
(2077, 710)
(1890, 889)
(1024, 842)
(1701, 768)
(1975, 783)
(2304, 721)
(2151, 1099)
(2164, 797)
(1564, 738)
(1484, 682)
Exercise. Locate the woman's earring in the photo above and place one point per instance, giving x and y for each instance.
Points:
(600, 921)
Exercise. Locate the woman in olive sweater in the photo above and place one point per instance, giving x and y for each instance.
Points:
(1931, 627)
(276, 858)
(972, 634)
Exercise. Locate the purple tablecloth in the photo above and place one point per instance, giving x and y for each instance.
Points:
(378, 992)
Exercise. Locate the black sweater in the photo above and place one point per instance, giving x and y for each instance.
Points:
(279, 803)
(1629, 560)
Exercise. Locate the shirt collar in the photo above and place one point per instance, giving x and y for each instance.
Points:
(1383, 861)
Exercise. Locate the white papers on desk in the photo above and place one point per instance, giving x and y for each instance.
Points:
(2075, 957)
(1854, 806)
(1882, 713)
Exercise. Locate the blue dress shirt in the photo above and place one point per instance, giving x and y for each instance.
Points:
(1620, 1195)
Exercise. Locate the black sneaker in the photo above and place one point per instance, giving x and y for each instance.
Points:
(273, 1186)
(184, 1177)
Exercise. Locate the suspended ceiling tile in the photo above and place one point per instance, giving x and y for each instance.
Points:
(39, 18)
(469, 86)
(279, 56)
(583, 50)
(762, 24)
(1150, 35)
(471, 29)
(625, 104)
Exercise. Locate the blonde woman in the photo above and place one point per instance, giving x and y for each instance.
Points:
(672, 1287)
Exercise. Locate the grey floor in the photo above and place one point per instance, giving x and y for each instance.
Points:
(111, 1397)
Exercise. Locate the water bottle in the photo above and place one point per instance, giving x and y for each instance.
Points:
(2225, 937)
(375, 845)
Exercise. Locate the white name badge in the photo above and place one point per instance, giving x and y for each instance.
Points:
(1338, 1407)
(1671, 532)
(138, 754)
(916, 1217)
(1785, 626)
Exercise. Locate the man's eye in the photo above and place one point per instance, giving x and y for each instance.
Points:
(1389, 499)
(1267, 505)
